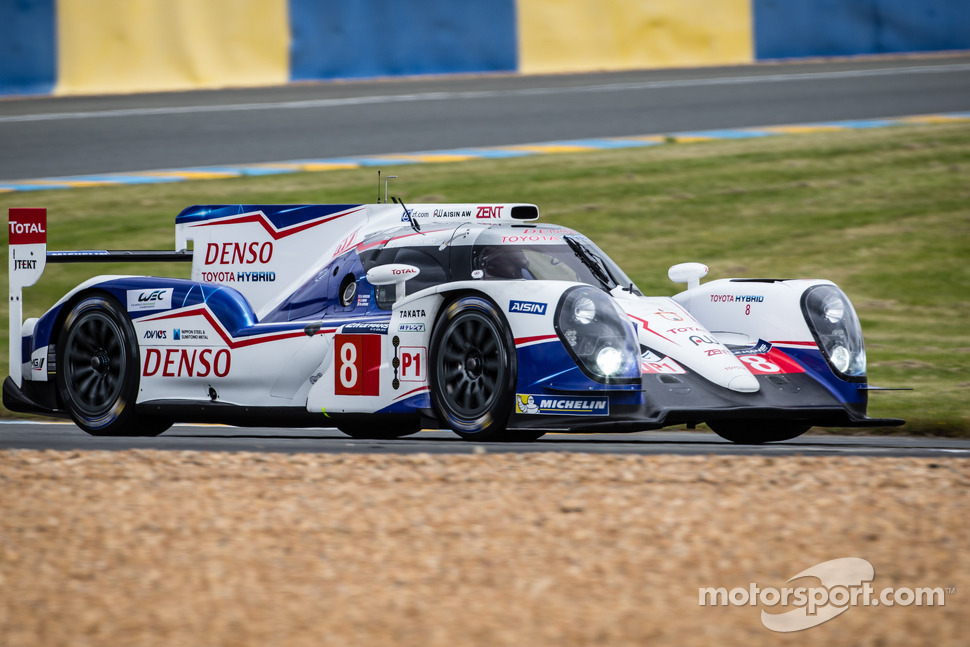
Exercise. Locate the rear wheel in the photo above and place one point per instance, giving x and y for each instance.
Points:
(473, 369)
(756, 432)
(98, 372)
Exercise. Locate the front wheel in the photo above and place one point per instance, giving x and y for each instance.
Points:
(756, 432)
(473, 369)
(98, 372)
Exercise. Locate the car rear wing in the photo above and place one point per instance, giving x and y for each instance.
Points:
(29, 258)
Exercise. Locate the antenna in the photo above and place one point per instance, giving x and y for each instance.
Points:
(378, 186)
(386, 180)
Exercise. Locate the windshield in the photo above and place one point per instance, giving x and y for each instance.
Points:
(551, 255)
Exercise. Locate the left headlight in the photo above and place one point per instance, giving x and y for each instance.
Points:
(836, 328)
(597, 335)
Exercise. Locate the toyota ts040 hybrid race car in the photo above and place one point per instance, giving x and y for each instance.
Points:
(382, 320)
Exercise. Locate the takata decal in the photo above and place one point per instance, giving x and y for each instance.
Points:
(527, 307)
(357, 363)
(149, 299)
(417, 313)
(183, 362)
(562, 405)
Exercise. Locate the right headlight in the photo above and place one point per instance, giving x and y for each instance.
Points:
(597, 336)
(836, 328)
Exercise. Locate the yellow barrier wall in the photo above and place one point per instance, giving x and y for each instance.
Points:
(589, 35)
(146, 45)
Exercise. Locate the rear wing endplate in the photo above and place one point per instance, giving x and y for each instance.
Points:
(28, 257)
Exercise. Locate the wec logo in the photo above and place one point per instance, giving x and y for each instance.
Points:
(151, 299)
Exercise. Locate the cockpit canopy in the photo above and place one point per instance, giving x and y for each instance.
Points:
(468, 252)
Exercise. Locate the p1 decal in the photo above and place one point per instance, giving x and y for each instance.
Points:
(357, 364)
(414, 364)
(149, 299)
(562, 405)
(652, 363)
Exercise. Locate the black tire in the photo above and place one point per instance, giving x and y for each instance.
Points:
(757, 432)
(98, 370)
(473, 369)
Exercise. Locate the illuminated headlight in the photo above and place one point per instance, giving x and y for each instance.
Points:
(609, 360)
(584, 310)
(598, 336)
(841, 359)
(834, 323)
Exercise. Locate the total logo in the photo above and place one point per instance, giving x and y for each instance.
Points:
(149, 299)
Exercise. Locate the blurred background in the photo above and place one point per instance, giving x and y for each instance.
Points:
(121, 46)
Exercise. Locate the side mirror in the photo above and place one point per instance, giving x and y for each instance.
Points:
(689, 273)
(396, 274)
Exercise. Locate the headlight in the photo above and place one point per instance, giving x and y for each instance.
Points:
(834, 323)
(609, 360)
(584, 310)
(834, 308)
(598, 336)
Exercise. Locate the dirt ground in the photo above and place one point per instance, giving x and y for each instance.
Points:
(188, 548)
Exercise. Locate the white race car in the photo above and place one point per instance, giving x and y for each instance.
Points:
(382, 320)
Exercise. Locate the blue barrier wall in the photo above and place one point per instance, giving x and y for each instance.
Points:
(802, 28)
(334, 39)
(99, 46)
(27, 46)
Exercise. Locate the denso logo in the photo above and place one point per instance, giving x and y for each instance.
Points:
(527, 307)
(183, 362)
(238, 253)
(489, 212)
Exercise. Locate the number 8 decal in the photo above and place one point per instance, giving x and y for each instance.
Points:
(348, 366)
(357, 368)
(760, 364)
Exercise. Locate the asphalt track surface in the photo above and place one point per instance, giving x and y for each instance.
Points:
(69, 136)
(66, 436)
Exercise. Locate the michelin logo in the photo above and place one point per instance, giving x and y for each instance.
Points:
(527, 307)
(562, 405)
